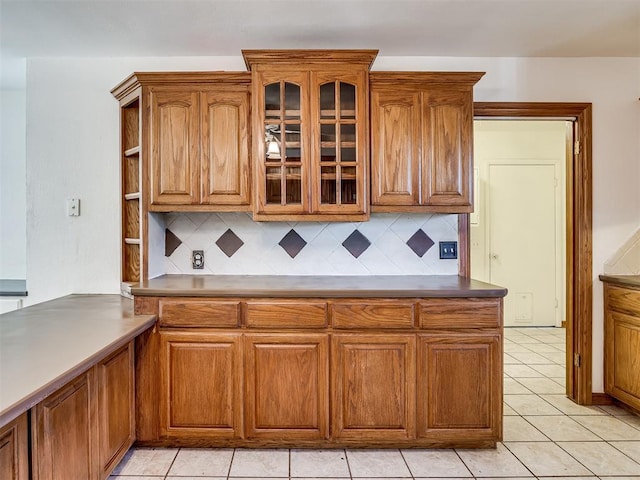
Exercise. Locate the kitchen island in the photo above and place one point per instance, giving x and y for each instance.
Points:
(291, 361)
(66, 374)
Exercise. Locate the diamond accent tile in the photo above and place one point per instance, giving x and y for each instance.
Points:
(171, 242)
(420, 243)
(229, 243)
(356, 243)
(292, 243)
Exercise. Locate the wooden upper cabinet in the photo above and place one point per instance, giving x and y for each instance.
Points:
(395, 152)
(422, 141)
(310, 133)
(174, 147)
(225, 147)
(200, 147)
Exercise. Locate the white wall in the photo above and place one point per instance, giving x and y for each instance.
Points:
(13, 230)
(72, 149)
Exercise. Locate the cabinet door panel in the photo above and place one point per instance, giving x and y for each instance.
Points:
(287, 386)
(459, 387)
(14, 450)
(281, 143)
(200, 377)
(64, 433)
(115, 407)
(374, 389)
(622, 357)
(339, 136)
(395, 155)
(225, 147)
(447, 147)
(174, 147)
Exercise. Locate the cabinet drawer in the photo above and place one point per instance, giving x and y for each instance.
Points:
(461, 313)
(293, 314)
(372, 314)
(198, 313)
(623, 299)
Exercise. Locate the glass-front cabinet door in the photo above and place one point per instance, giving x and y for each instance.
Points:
(282, 171)
(339, 143)
(310, 134)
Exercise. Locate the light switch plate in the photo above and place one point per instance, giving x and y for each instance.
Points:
(448, 250)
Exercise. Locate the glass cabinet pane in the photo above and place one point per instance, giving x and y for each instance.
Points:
(328, 100)
(291, 100)
(347, 100)
(272, 100)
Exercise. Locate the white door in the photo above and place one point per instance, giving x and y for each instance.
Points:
(522, 241)
(518, 228)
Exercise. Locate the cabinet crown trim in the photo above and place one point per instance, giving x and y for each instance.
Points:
(410, 79)
(137, 79)
(254, 57)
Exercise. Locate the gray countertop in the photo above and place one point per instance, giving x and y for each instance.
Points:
(316, 286)
(13, 288)
(623, 280)
(44, 346)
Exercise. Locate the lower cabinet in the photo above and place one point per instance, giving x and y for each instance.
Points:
(287, 386)
(200, 377)
(373, 387)
(622, 343)
(65, 434)
(326, 373)
(116, 415)
(14, 449)
(83, 429)
(459, 387)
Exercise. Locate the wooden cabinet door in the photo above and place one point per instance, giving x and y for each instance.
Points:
(374, 387)
(447, 125)
(175, 140)
(287, 386)
(200, 378)
(116, 408)
(280, 119)
(459, 387)
(225, 147)
(64, 433)
(622, 357)
(14, 450)
(395, 147)
(339, 142)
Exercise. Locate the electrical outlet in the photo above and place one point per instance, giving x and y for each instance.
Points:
(448, 250)
(197, 259)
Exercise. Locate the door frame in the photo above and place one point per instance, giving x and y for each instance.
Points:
(579, 258)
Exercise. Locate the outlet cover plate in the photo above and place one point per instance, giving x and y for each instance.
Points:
(197, 259)
(448, 250)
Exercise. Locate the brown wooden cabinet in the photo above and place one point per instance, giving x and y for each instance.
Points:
(116, 414)
(201, 385)
(310, 133)
(459, 387)
(14, 449)
(84, 429)
(199, 146)
(622, 343)
(373, 385)
(184, 146)
(322, 372)
(64, 432)
(287, 386)
(421, 137)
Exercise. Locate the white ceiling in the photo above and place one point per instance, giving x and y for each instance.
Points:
(548, 28)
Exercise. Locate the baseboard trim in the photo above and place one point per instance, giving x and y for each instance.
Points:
(602, 399)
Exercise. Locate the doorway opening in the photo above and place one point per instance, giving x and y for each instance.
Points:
(518, 225)
(578, 233)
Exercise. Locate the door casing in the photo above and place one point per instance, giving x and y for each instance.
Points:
(579, 246)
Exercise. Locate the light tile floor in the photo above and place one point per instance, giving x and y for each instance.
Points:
(545, 436)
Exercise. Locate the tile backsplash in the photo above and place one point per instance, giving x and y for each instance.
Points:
(388, 244)
(626, 260)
